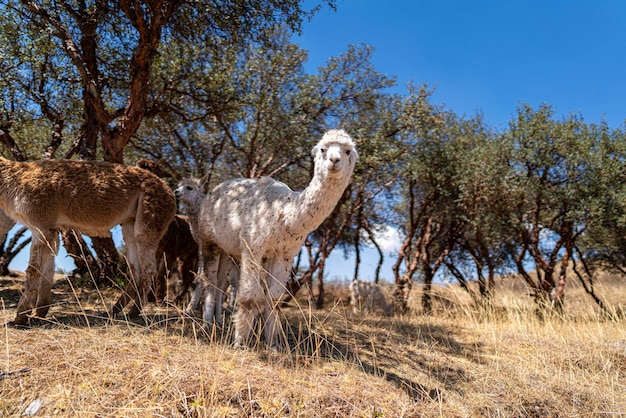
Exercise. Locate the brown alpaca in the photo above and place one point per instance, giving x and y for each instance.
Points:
(176, 247)
(89, 197)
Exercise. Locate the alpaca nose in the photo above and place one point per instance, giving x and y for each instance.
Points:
(334, 159)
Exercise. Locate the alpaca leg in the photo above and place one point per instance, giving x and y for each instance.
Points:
(146, 252)
(233, 281)
(250, 295)
(369, 302)
(47, 274)
(232, 295)
(355, 304)
(200, 281)
(244, 318)
(195, 296)
(187, 268)
(271, 326)
(130, 291)
(221, 284)
(276, 278)
(211, 270)
(33, 279)
(160, 279)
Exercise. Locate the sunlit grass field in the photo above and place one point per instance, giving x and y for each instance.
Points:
(458, 362)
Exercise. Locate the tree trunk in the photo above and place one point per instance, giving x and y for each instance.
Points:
(427, 306)
(108, 259)
(589, 289)
(401, 294)
(319, 302)
(12, 249)
(559, 292)
(9, 141)
(80, 253)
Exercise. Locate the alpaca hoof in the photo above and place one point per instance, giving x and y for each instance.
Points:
(239, 346)
(134, 312)
(114, 311)
(20, 321)
(17, 324)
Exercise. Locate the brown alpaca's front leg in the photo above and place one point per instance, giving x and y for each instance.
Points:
(29, 296)
(146, 256)
(47, 274)
(40, 269)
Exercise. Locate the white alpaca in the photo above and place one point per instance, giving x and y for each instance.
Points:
(190, 193)
(367, 296)
(90, 197)
(263, 223)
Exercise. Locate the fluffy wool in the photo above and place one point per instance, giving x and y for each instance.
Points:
(263, 223)
(89, 197)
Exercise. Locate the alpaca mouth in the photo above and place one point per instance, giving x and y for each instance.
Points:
(334, 170)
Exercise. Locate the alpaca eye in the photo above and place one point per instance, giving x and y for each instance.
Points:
(323, 150)
(347, 152)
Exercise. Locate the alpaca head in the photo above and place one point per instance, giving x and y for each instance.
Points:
(188, 190)
(335, 155)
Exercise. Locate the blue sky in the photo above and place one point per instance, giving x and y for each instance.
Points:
(489, 56)
(484, 57)
(480, 57)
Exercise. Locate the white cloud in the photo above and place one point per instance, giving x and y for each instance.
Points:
(389, 239)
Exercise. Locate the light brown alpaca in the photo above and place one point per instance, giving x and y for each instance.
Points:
(367, 296)
(263, 223)
(89, 197)
(177, 247)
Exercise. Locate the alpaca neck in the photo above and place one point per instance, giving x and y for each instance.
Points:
(315, 203)
(192, 210)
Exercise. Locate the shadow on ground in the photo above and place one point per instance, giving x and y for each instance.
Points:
(402, 351)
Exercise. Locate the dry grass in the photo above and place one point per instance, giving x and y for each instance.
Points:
(460, 362)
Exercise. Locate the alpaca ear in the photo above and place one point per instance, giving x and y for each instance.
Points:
(353, 156)
(204, 186)
(204, 183)
(314, 151)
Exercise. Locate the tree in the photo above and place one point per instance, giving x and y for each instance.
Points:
(482, 172)
(425, 200)
(94, 66)
(554, 163)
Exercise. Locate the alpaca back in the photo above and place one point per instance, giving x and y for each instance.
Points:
(88, 196)
(249, 214)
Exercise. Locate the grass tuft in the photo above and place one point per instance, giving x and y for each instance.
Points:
(461, 361)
